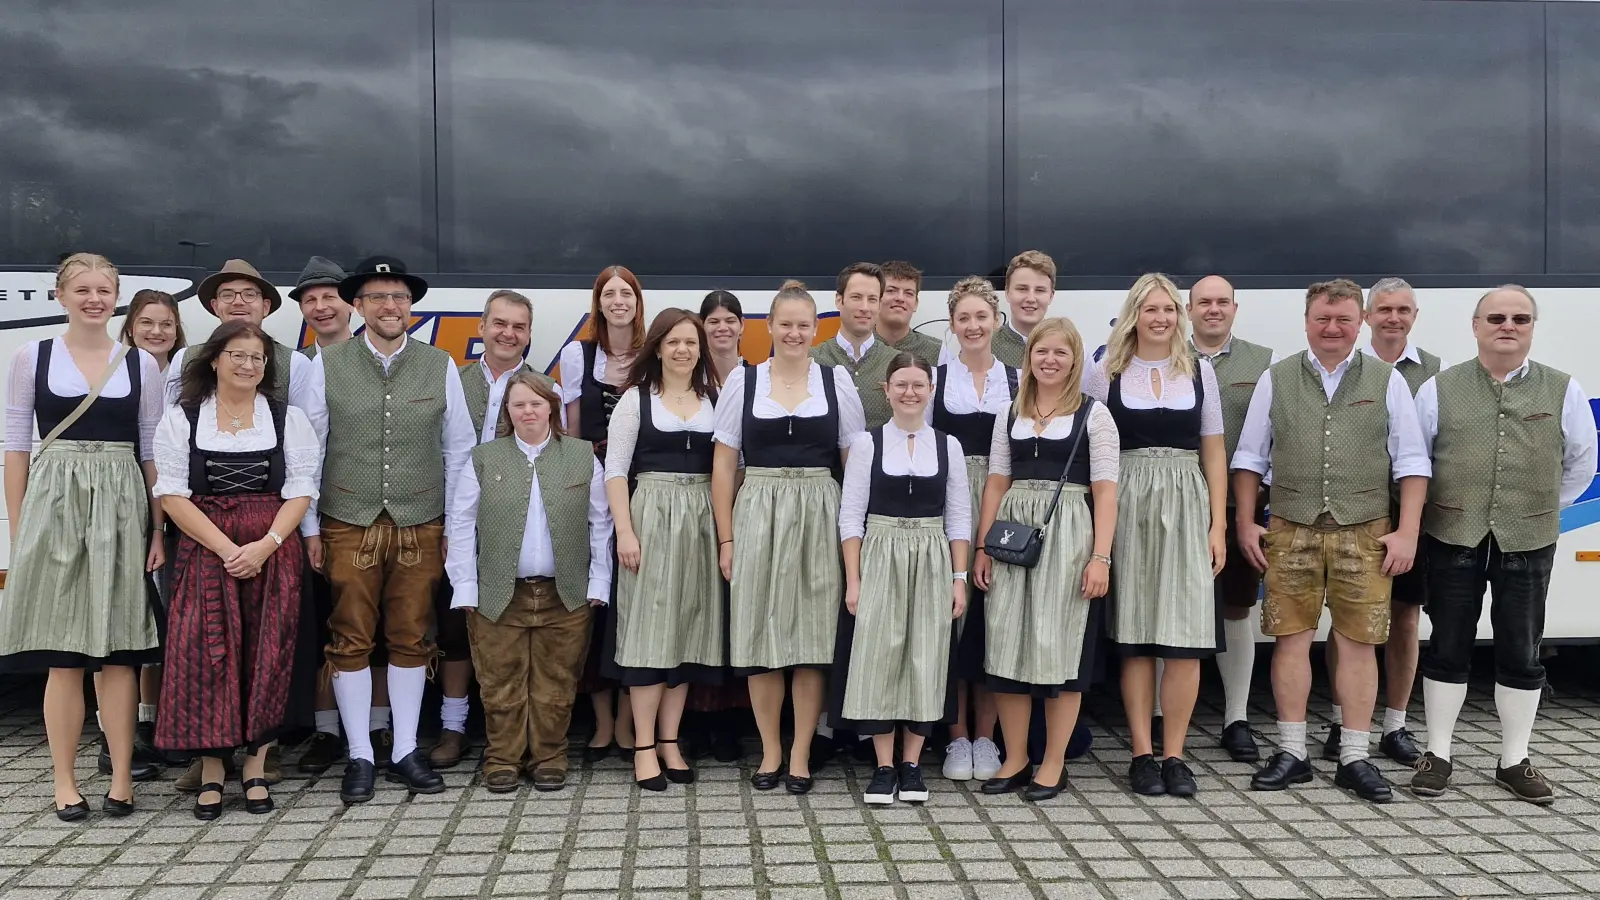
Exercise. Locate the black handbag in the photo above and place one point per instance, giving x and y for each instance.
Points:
(1016, 544)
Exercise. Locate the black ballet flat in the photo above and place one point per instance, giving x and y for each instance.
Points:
(207, 812)
(798, 784)
(676, 776)
(656, 782)
(765, 781)
(1036, 792)
(74, 812)
(115, 808)
(257, 807)
(1008, 785)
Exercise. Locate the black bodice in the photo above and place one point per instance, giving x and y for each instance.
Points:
(973, 430)
(908, 496)
(1141, 428)
(109, 419)
(1041, 459)
(218, 473)
(791, 441)
(685, 452)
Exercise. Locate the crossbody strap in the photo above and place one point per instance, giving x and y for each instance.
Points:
(1071, 455)
(88, 400)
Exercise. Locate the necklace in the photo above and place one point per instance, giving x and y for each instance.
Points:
(236, 420)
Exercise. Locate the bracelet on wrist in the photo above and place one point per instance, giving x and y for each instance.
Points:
(1100, 557)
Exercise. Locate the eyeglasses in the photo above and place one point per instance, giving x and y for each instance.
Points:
(245, 357)
(228, 295)
(909, 387)
(380, 296)
(1500, 318)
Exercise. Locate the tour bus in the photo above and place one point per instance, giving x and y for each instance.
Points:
(707, 144)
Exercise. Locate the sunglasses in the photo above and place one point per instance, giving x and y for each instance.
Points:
(1500, 318)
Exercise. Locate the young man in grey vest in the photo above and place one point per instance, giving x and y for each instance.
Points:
(1030, 288)
(1239, 365)
(902, 292)
(1512, 442)
(858, 293)
(325, 312)
(397, 434)
(1334, 426)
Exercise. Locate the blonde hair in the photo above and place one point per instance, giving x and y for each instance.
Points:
(1027, 403)
(1124, 340)
(81, 263)
(974, 286)
(794, 290)
(1037, 260)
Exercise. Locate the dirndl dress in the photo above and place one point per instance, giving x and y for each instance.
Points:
(1042, 635)
(1165, 599)
(595, 403)
(77, 594)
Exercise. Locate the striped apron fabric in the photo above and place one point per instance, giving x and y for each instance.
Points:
(77, 582)
(1164, 590)
(788, 575)
(1036, 619)
(899, 661)
(670, 612)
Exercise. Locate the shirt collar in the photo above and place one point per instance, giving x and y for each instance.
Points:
(488, 373)
(1227, 347)
(850, 350)
(529, 450)
(1315, 364)
(1409, 354)
(892, 430)
(404, 340)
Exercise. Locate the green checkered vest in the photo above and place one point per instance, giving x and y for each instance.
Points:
(1330, 455)
(283, 362)
(1237, 370)
(385, 450)
(1497, 458)
(869, 375)
(505, 477)
(1008, 347)
(476, 386)
(925, 347)
(1417, 374)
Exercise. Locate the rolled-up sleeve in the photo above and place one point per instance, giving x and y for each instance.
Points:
(1407, 455)
(1254, 452)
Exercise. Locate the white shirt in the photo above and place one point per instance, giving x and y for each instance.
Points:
(299, 379)
(1577, 432)
(572, 371)
(456, 434)
(922, 462)
(1407, 455)
(1105, 444)
(730, 403)
(623, 435)
(302, 453)
(537, 558)
(850, 349)
(66, 381)
(1177, 391)
(959, 397)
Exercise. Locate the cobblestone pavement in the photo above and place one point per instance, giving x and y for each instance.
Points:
(720, 840)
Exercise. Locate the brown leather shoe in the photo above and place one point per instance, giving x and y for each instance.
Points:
(189, 781)
(549, 779)
(446, 753)
(502, 781)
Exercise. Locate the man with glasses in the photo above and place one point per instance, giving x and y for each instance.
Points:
(1512, 441)
(396, 433)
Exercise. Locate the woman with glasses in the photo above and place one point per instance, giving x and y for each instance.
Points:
(236, 471)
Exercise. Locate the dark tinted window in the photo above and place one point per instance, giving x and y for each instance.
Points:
(1278, 137)
(719, 136)
(1574, 137)
(271, 130)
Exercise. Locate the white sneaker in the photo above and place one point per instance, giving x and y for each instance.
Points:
(985, 759)
(958, 760)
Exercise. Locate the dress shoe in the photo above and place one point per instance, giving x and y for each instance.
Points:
(1144, 775)
(189, 781)
(549, 779)
(502, 781)
(319, 753)
(676, 776)
(413, 771)
(823, 750)
(1431, 776)
(357, 784)
(448, 751)
(1400, 746)
(1240, 743)
(656, 782)
(141, 771)
(1281, 771)
(1003, 785)
(765, 781)
(207, 812)
(1526, 782)
(799, 784)
(117, 809)
(73, 812)
(1082, 741)
(595, 754)
(1364, 778)
(1036, 792)
(144, 746)
(1330, 747)
(1178, 778)
(257, 807)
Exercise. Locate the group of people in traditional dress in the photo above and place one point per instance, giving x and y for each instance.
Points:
(887, 532)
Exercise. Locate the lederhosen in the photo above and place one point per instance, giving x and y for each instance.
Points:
(594, 424)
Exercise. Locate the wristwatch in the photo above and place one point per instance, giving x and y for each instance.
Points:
(959, 576)
(276, 537)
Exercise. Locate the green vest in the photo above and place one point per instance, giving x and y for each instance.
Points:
(283, 363)
(1008, 347)
(1330, 455)
(475, 384)
(869, 375)
(385, 444)
(1417, 374)
(310, 350)
(1237, 370)
(505, 476)
(923, 346)
(1497, 458)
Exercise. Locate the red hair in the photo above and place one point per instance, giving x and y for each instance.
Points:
(597, 322)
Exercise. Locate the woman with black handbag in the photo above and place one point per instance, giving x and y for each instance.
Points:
(1049, 512)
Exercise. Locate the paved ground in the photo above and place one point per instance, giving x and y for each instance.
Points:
(719, 839)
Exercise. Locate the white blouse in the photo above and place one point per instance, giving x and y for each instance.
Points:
(572, 371)
(623, 435)
(961, 399)
(730, 404)
(302, 452)
(923, 461)
(1105, 445)
(1177, 391)
(66, 381)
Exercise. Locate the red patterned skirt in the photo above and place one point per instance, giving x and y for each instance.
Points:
(230, 643)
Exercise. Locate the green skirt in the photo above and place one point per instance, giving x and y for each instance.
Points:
(669, 613)
(1036, 620)
(77, 583)
(900, 654)
(788, 576)
(1165, 597)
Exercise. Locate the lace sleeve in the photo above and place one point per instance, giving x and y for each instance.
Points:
(152, 403)
(1211, 409)
(302, 455)
(1000, 445)
(1095, 382)
(1105, 445)
(172, 455)
(19, 399)
(623, 434)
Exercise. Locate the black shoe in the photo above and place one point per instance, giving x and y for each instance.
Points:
(823, 750)
(1364, 778)
(413, 771)
(1330, 747)
(1003, 785)
(144, 746)
(320, 752)
(115, 808)
(382, 748)
(359, 775)
(1240, 743)
(765, 781)
(257, 807)
(656, 782)
(596, 754)
(1177, 777)
(73, 812)
(1400, 746)
(1281, 771)
(1036, 792)
(676, 776)
(1081, 742)
(880, 790)
(142, 771)
(1144, 773)
(725, 744)
(798, 784)
(207, 812)
(912, 788)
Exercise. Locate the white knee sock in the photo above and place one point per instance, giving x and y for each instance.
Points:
(353, 692)
(1292, 739)
(1441, 704)
(328, 721)
(823, 728)
(379, 716)
(1161, 666)
(405, 704)
(453, 715)
(1237, 664)
(1353, 745)
(1393, 720)
(1518, 710)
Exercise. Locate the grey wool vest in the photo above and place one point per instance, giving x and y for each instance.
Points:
(869, 375)
(505, 477)
(1330, 455)
(385, 447)
(475, 385)
(1009, 347)
(1497, 458)
(309, 350)
(1238, 370)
